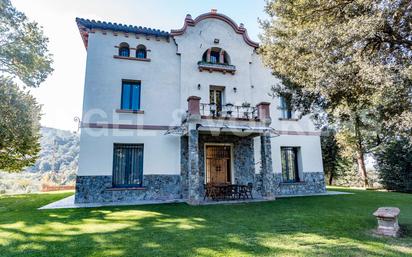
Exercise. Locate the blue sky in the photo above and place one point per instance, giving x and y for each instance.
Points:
(62, 94)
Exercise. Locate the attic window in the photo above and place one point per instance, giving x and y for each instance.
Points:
(216, 55)
(141, 52)
(216, 59)
(124, 50)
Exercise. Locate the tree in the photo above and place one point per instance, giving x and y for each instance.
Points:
(19, 127)
(330, 153)
(23, 47)
(24, 57)
(348, 59)
(335, 163)
(394, 163)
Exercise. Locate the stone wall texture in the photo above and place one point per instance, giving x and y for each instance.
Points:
(184, 169)
(98, 189)
(195, 182)
(266, 170)
(311, 182)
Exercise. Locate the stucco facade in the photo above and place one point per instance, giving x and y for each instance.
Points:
(168, 125)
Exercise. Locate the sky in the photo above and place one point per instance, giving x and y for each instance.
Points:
(61, 95)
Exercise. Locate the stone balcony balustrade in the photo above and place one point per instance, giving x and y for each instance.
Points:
(219, 67)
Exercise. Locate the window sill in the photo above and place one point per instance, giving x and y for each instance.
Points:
(285, 119)
(131, 58)
(130, 111)
(125, 188)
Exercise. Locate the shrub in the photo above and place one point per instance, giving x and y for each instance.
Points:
(394, 163)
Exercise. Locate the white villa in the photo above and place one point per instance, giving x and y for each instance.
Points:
(167, 113)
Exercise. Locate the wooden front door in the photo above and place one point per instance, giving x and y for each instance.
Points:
(218, 164)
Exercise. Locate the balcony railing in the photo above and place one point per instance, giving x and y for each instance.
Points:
(228, 111)
(220, 67)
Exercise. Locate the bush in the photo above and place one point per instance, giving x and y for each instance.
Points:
(394, 163)
(2, 189)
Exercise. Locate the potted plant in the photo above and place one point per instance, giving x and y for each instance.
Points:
(229, 107)
(212, 108)
(246, 106)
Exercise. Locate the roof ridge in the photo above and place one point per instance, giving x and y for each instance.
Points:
(107, 25)
(240, 29)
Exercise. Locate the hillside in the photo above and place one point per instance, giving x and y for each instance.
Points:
(56, 165)
(59, 151)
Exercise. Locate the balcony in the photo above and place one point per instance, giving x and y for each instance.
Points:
(243, 120)
(218, 67)
(229, 112)
(197, 111)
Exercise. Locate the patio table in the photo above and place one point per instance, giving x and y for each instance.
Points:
(227, 191)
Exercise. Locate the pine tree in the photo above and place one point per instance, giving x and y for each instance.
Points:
(348, 59)
(23, 57)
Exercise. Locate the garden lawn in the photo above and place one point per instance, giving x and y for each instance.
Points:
(339, 225)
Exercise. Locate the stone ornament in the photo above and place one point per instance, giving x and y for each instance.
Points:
(387, 221)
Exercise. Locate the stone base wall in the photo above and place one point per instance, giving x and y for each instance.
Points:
(312, 182)
(98, 189)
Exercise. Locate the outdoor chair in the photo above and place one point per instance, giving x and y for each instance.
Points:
(207, 191)
(248, 190)
(235, 192)
(210, 191)
(242, 192)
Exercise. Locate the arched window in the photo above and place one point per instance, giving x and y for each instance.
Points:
(216, 55)
(141, 52)
(124, 49)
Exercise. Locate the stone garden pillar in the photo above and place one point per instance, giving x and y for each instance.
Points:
(263, 111)
(267, 171)
(195, 189)
(194, 179)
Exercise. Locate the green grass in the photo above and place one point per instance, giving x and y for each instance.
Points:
(310, 226)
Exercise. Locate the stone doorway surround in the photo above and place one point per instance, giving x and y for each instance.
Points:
(192, 150)
(243, 164)
(218, 169)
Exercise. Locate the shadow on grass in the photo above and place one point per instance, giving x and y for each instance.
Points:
(328, 226)
(406, 230)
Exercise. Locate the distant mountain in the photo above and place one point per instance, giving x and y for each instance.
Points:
(56, 165)
(59, 151)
